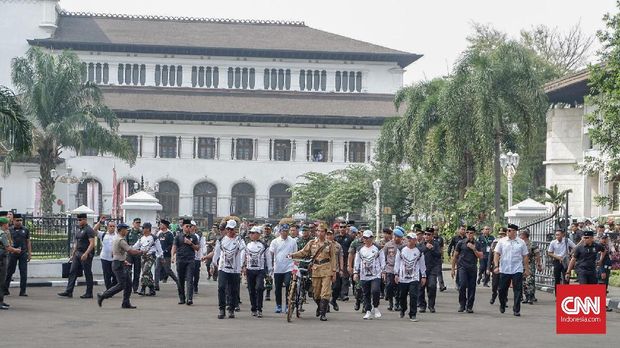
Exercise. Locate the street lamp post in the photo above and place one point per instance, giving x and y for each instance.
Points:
(377, 187)
(509, 163)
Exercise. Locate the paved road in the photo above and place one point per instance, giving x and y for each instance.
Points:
(57, 322)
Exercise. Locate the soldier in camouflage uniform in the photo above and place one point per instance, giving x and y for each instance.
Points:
(266, 239)
(535, 262)
(149, 245)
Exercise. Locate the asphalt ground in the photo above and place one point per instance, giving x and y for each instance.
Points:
(45, 320)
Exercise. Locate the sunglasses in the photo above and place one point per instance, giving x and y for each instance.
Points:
(230, 229)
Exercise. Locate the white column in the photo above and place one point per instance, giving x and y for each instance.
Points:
(302, 144)
(295, 79)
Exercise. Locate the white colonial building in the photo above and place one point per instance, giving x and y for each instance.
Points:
(568, 144)
(224, 115)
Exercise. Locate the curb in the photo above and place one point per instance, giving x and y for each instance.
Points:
(53, 283)
(613, 303)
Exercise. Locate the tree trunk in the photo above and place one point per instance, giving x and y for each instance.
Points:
(47, 158)
(498, 179)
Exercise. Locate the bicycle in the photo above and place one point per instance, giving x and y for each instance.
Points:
(298, 290)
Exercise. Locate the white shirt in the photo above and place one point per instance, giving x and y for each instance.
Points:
(150, 245)
(203, 248)
(559, 247)
(279, 249)
(257, 256)
(106, 245)
(409, 264)
(511, 253)
(369, 262)
(229, 253)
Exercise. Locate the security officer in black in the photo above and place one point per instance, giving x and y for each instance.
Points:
(21, 240)
(459, 236)
(82, 258)
(342, 282)
(136, 260)
(432, 257)
(584, 259)
(466, 255)
(184, 250)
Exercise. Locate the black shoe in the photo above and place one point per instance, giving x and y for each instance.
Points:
(422, 310)
(151, 293)
(23, 294)
(128, 306)
(156, 288)
(486, 285)
(357, 306)
(259, 314)
(431, 309)
(470, 310)
(182, 301)
(318, 311)
(536, 300)
(221, 315)
(4, 306)
(231, 314)
(525, 301)
(141, 293)
(99, 299)
(390, 305)
(7, 293)
(397, 307)
(65, 294)
(335, 305)
(328, 310)
(237, 309)
(478, 281)
(196, 292)
(87, 296)
(492, 299)
(516, 314)
(345, 299)
(461, 309)
(402, 314)
(253, 313)
(502, 309)
(190, 302)
(442, 289)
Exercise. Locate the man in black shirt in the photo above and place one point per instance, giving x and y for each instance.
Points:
(342, 282)
(162, 268)
(184, 250)
(136, 260)
(439, 239)
(584, 259)
(466, 255)
(432, 258)
(82, 258)
(21, 240)
(460, 235)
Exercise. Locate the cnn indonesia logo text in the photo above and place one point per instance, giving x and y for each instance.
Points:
(579, 309)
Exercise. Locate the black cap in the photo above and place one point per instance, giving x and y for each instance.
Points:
(147, 225)
(513, 227)
(4, 213)
(17, 216)
(137, 220)
(165, 222)
(588, 233)
(82, 216)
(187, 221)
(471, 228)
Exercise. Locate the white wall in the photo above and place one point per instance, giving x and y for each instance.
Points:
(21, 20)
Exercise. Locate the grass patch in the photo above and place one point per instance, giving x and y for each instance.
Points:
(614, 280)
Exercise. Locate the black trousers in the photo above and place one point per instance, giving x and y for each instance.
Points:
(3, 287)
(256, 287)
(559, 273)
(163, 270)
(587, 278)
(196, 275)
(482, 269)
(136, 260)
(14, 260)
(494, 285)
(337, 288)
(371, 290)
(279, 280)
(467, 287)
(87, 267)
(409, 290)
(429, 287)
(122, 273)
(185, 271)
(517, 289)
(391, 289)
(109, 278)
(439, 271)
(228, 290)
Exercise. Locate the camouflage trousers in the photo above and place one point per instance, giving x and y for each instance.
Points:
(529, 284)
(147, 274)
(268, 283)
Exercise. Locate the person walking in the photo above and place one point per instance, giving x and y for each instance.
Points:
(6, 247)
(107, 239)
(369, 270)
(256, 264)
(587, 257)
(485, 240)
(183, 252)
(228, 255)
(491, 265)
(411, 274)
(534, 264)
(466, 254)
(511, 254)
(432, 259)
(559, 250)
(280, 248)
(82, 258)
(151, 249)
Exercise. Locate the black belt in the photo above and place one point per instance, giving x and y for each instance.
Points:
(321, 262)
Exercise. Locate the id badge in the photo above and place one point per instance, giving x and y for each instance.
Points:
(488, 249)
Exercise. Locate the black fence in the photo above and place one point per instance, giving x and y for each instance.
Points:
(52, 237)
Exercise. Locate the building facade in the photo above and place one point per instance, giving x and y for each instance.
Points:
(568, 144)
(225, 115)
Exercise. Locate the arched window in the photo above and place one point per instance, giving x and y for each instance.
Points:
(208, 76)
(91, 72)
(358, 81)
(338, 81)
(274, 78)
(168, 196)
(287, 83)
(98, 73)
(127, 74)
(281, 79)
(242, 200)
(244, 78)
(179, 76)
(195, 76)
(302, 80)
(216, 77)
(106, 73)
(230, 77)
(205, 200)
(173, 75)
(89, 194)
(164, 75)
(157, 75)
(135, 74)
(237, 77)
(121, 73)
(266, 78)
(323, 80)
(142, 74)
(345, 81)
(279, 197)
(352, 81)
(252, 78)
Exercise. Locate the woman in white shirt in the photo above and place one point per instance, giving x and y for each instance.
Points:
(107, 238)
(368, 270)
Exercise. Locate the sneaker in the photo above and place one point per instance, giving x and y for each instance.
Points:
(413, 318)
(377, 313)
(259, 314)
(237, 309)
(221, 315)
(231, 314)
(278, 309)
(253, 313)
(461, 309)
(470, 310)
(368, 316)
(442, 289)
(431, 309)
(4, 306)
(421, 309)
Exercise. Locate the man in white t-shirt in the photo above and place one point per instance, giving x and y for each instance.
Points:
(511, 254)
(282, 265)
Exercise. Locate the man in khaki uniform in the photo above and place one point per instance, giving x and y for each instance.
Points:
(323, 267)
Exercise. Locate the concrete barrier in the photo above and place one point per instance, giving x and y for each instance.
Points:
(53, 268)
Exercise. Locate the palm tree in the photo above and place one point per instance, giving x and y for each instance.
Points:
(553, 195)
(67, 114)
(15, 129)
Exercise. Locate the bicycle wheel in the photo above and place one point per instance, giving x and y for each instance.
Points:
(298, 299)
(291, 301)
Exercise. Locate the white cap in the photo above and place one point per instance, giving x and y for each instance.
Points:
(367, 234)
(411, 235)
(256, 229)
(193, 223)
(231, 224)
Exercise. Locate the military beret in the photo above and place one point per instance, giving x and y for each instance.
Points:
(82, 216)
(471, 228)
(4, 220)
(513, 227)
(17, 216)
(165, 222)
(122, 226)
(147, 225)
(588, 233)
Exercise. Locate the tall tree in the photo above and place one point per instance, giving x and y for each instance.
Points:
(604, 122)
(15, 129)
(67, 113)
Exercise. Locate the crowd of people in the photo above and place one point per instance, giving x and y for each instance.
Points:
(402, 268)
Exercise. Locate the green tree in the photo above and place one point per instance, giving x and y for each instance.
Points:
(67, 114)
(15, 129)
(604, 122)
(553, 195)
(308, 196)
